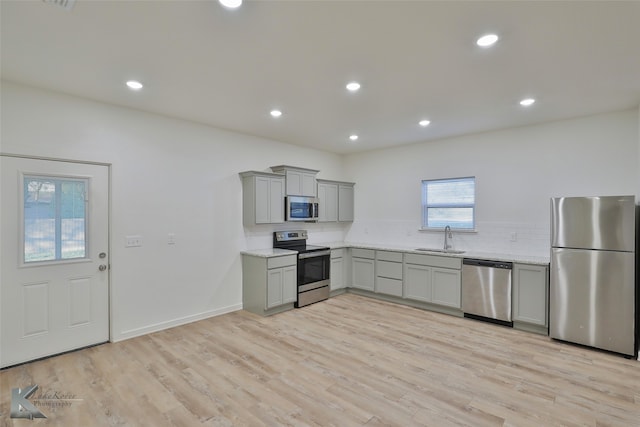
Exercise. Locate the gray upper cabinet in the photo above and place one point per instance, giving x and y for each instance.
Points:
(336, 201)
(262, 198)
(300, 181)
(345, 202)
(530, 296)
(328, 201)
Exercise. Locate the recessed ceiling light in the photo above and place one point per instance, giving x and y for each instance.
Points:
(353, 137)
(133, 84)
(231, 4)
(353, 86)
(424, 123)
(276, 113)
(527, 102)
(487, 40)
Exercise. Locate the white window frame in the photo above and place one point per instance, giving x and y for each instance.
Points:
(425, 207)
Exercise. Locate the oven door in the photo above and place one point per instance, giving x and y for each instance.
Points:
(313, 270)
(313, 277)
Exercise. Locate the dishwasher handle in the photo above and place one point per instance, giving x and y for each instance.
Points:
(487, 263)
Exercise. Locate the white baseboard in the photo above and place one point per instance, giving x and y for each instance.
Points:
(132, 333)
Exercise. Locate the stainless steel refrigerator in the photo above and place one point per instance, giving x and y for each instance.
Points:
(592, 298)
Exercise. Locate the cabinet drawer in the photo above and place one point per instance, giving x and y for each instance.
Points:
(389, 256)
(389, 286)
(282, 261)
(337, 253)
(434, 260)
(363, 253)
(391, 270)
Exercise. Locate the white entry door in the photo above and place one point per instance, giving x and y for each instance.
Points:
(54, 276)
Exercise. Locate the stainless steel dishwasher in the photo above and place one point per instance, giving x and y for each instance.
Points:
(486, 290)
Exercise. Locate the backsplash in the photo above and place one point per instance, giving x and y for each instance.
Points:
(502, 238)
(261, 237)
(490, 237)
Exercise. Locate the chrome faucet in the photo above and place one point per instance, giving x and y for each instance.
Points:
(447, 236)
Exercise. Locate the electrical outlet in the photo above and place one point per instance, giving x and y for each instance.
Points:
(514, 236)
(171, 239)
(132, 241)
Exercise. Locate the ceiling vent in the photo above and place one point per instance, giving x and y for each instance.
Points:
(65, 4)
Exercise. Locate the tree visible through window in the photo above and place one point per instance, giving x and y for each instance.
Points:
(55, 220)
(449, 202)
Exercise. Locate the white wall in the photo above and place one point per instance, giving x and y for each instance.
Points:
(168, 176)
(517, 170)
(173, 176)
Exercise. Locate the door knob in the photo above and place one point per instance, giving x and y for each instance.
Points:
(102, 267)
(102, 255)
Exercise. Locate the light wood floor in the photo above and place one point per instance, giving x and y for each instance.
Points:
(349, 361)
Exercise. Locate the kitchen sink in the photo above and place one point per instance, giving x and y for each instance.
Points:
(444, 251)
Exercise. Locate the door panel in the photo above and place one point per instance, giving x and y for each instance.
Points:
(592, 297)
(53, 296)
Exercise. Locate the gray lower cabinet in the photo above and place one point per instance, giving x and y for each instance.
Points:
(433, 279)
(281, 286)
(417, 279)
(446, 287)
(363, 268)
(269, 284)
(337, 269)
(388, 273)
(530, 297)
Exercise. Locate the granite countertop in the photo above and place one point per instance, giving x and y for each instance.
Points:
(525, 259)
(269, 252)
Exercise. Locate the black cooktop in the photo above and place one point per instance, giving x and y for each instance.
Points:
(295, 241)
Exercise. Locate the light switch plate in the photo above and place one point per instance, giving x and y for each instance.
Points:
(132, 241)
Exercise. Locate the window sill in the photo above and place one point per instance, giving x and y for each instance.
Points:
(453, 230)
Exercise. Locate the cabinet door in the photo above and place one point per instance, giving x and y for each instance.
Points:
(337, 273)
(363, 273)
(276, 200)
(328, 196)
(308, 184)
(274, 287)
(446, 287)
(530, 294)
(263, 199)
(345, 203)
(294, 183)
(417, 282)
(289, 284)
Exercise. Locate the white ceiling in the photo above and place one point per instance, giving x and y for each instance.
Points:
(414, 59)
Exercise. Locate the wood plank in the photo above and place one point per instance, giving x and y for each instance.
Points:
(348, 361)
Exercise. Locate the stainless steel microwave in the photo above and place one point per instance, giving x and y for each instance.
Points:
(299, 208)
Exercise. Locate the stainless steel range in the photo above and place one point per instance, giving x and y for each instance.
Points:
(313, 266)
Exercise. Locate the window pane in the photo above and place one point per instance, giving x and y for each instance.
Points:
(54, 219)
(451, 192)
(448, 202)
(453, 217)
(73, 219)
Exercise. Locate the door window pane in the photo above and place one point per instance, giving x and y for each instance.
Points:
(55, 218)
